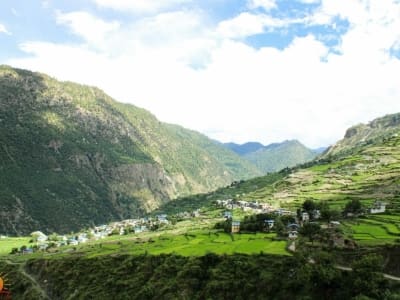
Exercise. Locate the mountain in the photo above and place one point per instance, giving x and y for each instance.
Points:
(274, 157)
(71, 156)
(368, 171)
(364, 134)
(246, 148)
(319, 150)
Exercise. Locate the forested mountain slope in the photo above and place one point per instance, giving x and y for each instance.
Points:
(71, 156)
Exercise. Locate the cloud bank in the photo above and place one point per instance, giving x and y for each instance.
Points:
(170, 57)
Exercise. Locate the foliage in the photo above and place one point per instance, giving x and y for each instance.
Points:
(354, 206)
(276, 157)
(310, 230)
(72, 157)
(206, 277)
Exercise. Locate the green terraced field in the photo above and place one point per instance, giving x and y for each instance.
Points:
(369, 232)
(193, 244)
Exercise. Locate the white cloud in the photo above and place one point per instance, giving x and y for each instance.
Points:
(248, 24)
(4, 30)
(139, 6)
(266, 4)
(241, 93)
(309, 1)
(244, 25)
(92, 29)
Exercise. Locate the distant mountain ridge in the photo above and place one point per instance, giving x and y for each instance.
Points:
(71, 157)
(362, 134)
(246, 148)
(276, 156)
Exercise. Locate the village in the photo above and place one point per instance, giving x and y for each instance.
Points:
(42, 242)
(294, 221)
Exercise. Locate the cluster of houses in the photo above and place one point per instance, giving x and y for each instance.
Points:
(248, 206)
(301, 217)
(257, 208)
(43, 241)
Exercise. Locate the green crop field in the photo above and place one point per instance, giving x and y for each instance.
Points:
(192, 244)
(7, 244)
(196, 243)
(369, 232)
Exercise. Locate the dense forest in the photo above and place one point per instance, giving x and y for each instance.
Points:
(207, 277)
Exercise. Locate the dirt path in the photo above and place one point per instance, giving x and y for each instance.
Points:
(32, 279)
(387, 276)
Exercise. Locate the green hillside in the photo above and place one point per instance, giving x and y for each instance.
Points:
(71, 157)
(274, 157)
(364, 134)
(369, 171)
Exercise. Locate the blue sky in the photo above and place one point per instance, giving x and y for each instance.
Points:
(236, 70)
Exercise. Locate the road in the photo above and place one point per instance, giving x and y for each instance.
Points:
(387, 276)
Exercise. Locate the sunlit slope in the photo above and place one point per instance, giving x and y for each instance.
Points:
(71, 156)
(369, 172)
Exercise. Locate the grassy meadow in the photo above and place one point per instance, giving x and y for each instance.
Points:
(7, 244)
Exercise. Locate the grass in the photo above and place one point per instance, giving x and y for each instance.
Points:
(192, 244)
(370, 232)
(7, 244)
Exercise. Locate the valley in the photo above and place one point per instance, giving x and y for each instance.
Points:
(106, 192)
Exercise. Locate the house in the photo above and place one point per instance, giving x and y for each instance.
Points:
(43, 246)
(73, 242)
(138, 229)
(27, 251)
(378, 207)
(39, 236)
(316, 214)
(235, 226)
(334, 223)
(293, 234)
(162, 218)
(305, 217)
(196, 213)
(228, 215)
(293, 227)
(269, 223)
(282, 212)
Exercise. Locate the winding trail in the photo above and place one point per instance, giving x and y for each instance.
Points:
(32, 279)
(387, 276)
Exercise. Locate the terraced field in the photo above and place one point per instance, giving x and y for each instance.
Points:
(377, 229)
(369, 174)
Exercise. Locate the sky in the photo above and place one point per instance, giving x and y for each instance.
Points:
(235, 70)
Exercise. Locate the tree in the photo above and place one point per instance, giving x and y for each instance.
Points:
(367, 277)
(35, 237)
(310, 230)
(53, 237)
(279, 227)
(327, 213)
(354, 206)
(309, 206)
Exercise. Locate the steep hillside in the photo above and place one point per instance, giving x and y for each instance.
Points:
(368, 172)
(274, 157)
(71, 156)
(364, 134)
